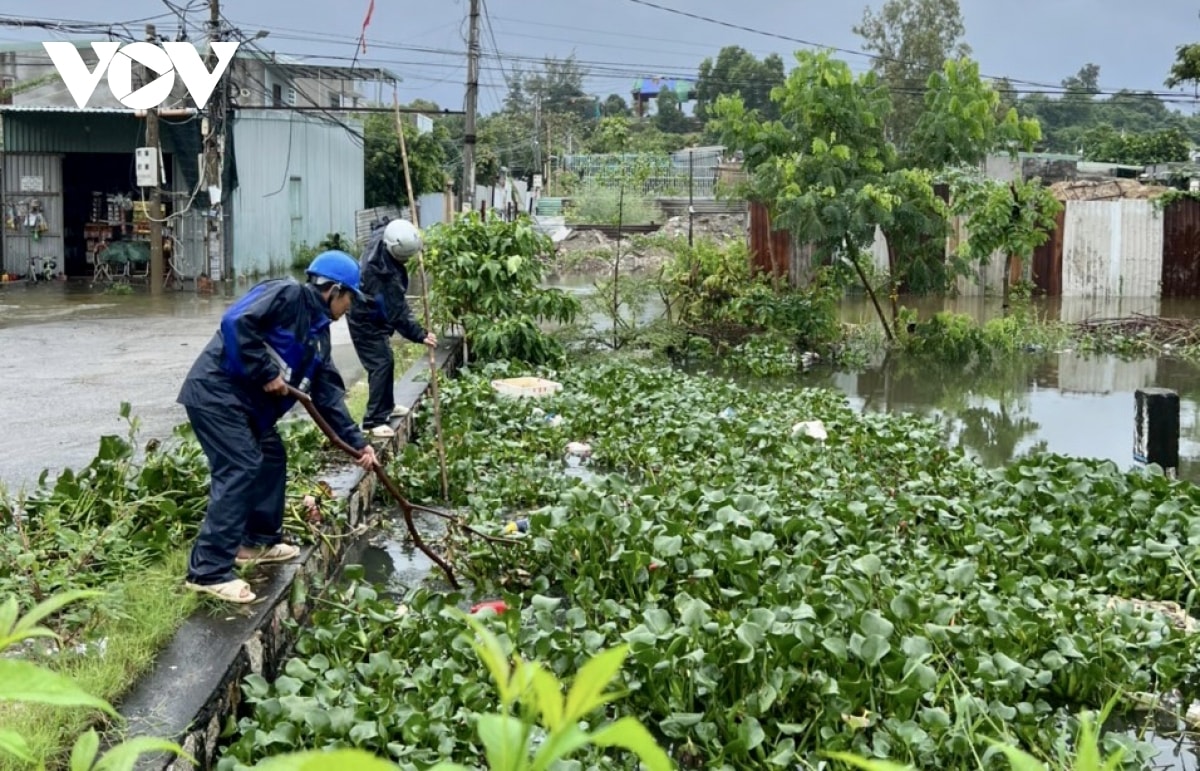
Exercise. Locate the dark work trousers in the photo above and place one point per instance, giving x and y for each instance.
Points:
(374, 349)
(246, 497)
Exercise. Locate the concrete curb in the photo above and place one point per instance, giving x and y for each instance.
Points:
(194, 687)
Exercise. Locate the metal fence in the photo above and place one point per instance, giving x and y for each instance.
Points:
(650, 174)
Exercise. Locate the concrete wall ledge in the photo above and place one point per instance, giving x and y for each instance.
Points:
(195, 684)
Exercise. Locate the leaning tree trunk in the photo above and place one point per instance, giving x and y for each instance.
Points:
(862, 276)
(1005, 284)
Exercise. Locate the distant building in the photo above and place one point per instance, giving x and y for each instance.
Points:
(647, 89)
(294, 165)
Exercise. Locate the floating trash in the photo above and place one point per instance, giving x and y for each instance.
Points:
(525, 387)
(497, 606)
(518, 526)
(579, 449)
(811, 428)
(729, 413)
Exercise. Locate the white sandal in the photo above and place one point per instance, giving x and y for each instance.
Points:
(280, 552)
(399, 411)
(237, 591)
(382, 432)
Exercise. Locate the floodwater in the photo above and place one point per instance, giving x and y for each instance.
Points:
(72, 354)
(1058, 402)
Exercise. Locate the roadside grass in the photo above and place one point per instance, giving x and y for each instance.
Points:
(148, 608)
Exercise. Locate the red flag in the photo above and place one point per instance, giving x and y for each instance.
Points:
(363, 37)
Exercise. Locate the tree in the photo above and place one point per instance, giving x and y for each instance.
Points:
(1108, 145)
(558, 86)
(615, 105)
(669, 117)
(822, 167)
(960, 126)
(912, 38)
(1012, 218)
(1186, 68)
(384, 167)
(737, 71)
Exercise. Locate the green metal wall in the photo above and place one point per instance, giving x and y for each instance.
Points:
(80, 132)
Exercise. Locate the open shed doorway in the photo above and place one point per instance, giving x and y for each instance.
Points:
(100, 199)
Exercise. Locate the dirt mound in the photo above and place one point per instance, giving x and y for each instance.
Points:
(590, 251)
(1104, 190)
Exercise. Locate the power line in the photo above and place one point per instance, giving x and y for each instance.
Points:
(801, 41)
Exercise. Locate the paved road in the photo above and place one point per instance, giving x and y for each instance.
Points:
(68, 359)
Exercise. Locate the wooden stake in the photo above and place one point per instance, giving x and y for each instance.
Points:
(415, 217)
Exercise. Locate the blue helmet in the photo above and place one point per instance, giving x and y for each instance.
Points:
(339, 267)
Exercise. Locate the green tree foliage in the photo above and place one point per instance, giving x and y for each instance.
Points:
(616, 106)
(384, 172)
(1010, 218)
(669, 117)
(737, 71)
(1066, 120)
(1186, 68)
(822, 167)
(912, 38)
(960, 124)
(1108, 145)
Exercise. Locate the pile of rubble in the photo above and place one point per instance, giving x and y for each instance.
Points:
(591, 250)
(1104, 190)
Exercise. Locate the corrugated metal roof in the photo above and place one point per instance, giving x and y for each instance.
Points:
(65, 108)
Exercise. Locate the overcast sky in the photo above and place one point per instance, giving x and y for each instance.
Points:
(1037, 41)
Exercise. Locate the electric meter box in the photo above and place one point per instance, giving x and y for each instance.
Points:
(147, 164)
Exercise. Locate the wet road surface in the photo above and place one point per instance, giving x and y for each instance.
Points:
(68, 358)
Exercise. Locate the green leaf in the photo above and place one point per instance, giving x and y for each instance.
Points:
(503, 741)
(548, 691)
(342, 760)
(26, 628)
(591, 680)
(629, 734)
(23, 681)
(855, 761)
(83, 754)
(868, 564)
(14, 744)
(1020, 761)
(125, 755)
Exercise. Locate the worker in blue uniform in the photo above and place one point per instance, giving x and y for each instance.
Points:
(276, 336)
(386, 310)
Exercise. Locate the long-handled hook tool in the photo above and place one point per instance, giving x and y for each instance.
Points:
(406, 507)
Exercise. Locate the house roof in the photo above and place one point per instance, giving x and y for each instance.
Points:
(65, 108)
(297, 68)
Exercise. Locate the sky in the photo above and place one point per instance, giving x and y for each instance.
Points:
(424, 41)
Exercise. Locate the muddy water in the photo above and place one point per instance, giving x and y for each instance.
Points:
(70, 355)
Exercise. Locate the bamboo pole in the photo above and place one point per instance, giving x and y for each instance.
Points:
(415, 217)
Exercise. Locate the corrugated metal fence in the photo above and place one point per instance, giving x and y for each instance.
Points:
(32, 182)
(1181, 250)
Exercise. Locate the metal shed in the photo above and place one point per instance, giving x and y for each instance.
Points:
(53, 158)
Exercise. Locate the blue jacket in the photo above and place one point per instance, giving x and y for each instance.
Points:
(279, 327)
(385, 283)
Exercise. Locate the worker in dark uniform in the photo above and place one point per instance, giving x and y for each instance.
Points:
(386, 310)
(275, 336)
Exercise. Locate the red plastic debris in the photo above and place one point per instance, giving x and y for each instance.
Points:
(497, 605)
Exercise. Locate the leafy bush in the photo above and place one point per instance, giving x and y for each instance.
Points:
(303, 254)
(486, 277)
(597, 204)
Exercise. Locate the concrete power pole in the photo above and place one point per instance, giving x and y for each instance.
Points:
(215, 127)
(155, 214)
(468, 191)
(537, 131)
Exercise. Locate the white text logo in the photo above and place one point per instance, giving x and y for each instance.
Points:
(166, 61)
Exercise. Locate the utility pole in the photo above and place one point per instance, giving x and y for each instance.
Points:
(537, 129)
(155, 214)
(214, 127)
(691, 187)
(468, 191)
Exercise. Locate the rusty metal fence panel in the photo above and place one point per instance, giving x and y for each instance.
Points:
(1181, 249)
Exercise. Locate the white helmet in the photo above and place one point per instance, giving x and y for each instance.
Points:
(402, 239)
